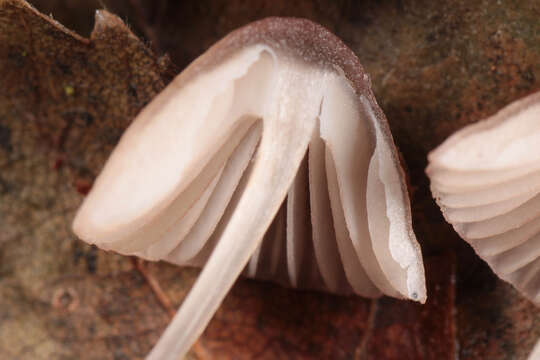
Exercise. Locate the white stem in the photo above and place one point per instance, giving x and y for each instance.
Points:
(287, 130)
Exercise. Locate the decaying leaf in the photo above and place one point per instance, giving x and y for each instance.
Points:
(64, 102)
(435, 67)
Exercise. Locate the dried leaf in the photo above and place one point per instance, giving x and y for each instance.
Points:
(65, 100)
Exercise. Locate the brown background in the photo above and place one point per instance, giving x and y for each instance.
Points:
(65, 99)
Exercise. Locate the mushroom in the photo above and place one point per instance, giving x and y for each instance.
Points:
(535, 354)
(486, 179)
(270, 154)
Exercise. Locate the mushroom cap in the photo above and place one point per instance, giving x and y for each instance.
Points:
(486, 179)
(270, 154)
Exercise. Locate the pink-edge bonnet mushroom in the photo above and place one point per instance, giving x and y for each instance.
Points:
(486, 179)
(267, 154)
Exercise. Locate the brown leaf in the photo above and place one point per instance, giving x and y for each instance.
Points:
(65, 100)
(262, 321)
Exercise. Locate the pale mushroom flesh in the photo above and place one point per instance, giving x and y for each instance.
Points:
(486, 179)
(535, 354)
(268, 155)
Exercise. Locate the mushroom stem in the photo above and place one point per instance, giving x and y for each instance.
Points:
(535, 354)
(286, 131)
